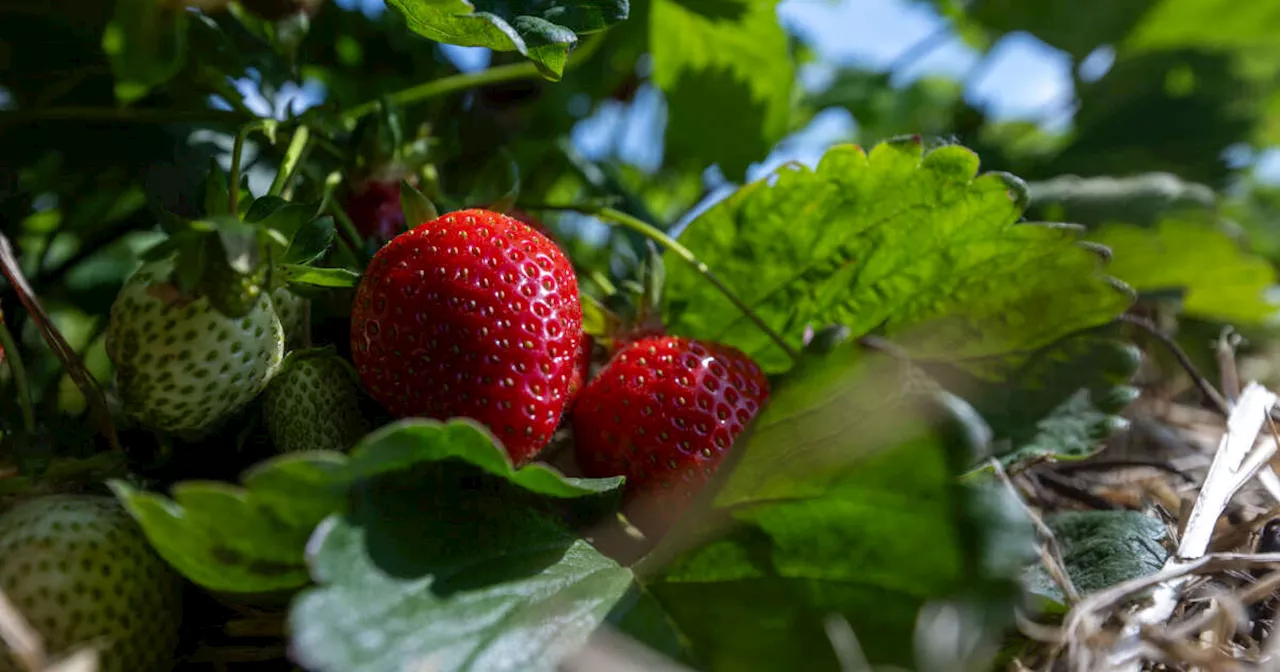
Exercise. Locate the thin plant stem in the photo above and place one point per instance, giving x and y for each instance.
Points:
(233, 186)
(468, 80)
(612, 216)
(354, 240)
(413, 94)
(1223, 406)
(348, 232)
(124, 115)
(291, 185)
(291, 157)
(446, 85)
(925, 46)
(218, 83)
(70, 359)
(14, 360)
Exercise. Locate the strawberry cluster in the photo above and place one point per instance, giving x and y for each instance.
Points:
(477, 314)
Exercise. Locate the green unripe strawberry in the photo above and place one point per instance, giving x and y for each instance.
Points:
(314, 403)
(81, 572)
(182, 366)
(292, 311)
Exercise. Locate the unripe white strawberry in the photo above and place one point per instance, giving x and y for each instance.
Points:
(292, 310)
(81, 572)
(314, 403)
(181, 366)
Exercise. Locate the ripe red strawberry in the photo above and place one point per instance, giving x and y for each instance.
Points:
(521, 215)
(628, 334)
(582, 370)
(472, 314)
(663, 412)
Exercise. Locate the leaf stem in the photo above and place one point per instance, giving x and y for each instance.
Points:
(604, 180)
(10, 348)
(468, 80)
(921, 48)
(123, 115)
(94, 397)
(612, 216)
(291, 157)
(1207, 388)
(349, 234)
(237, 149)
(445, 85)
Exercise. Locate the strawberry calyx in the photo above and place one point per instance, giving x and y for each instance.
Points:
(634, 312)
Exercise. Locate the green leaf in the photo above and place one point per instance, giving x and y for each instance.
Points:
(297, 232)
(409, 442)
(263, 207)
(242, 539)
(907, 243)
(640, 617)
(1138, 199)
(726, 70)
(251, 538)
(1216, 276)
(544, 31)
(483, 582)
(320, 277)
(1062, 402)
(416, 207)
(146, 43)
(311, 241)
(287, 219)
(1101, 549)
(844, 504)
(1211, 24)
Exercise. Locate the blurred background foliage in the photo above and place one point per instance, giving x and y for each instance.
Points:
(1160, 136)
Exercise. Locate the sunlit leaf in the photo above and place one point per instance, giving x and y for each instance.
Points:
(251, 538)
(1215, 275)
(727, 73)
(543, 31)
(912, 245)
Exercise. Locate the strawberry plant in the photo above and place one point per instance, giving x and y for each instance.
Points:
(324, 347)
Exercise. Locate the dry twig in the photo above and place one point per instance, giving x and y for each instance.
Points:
(1176, 350)
(1050, 552)
(1236, 462)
